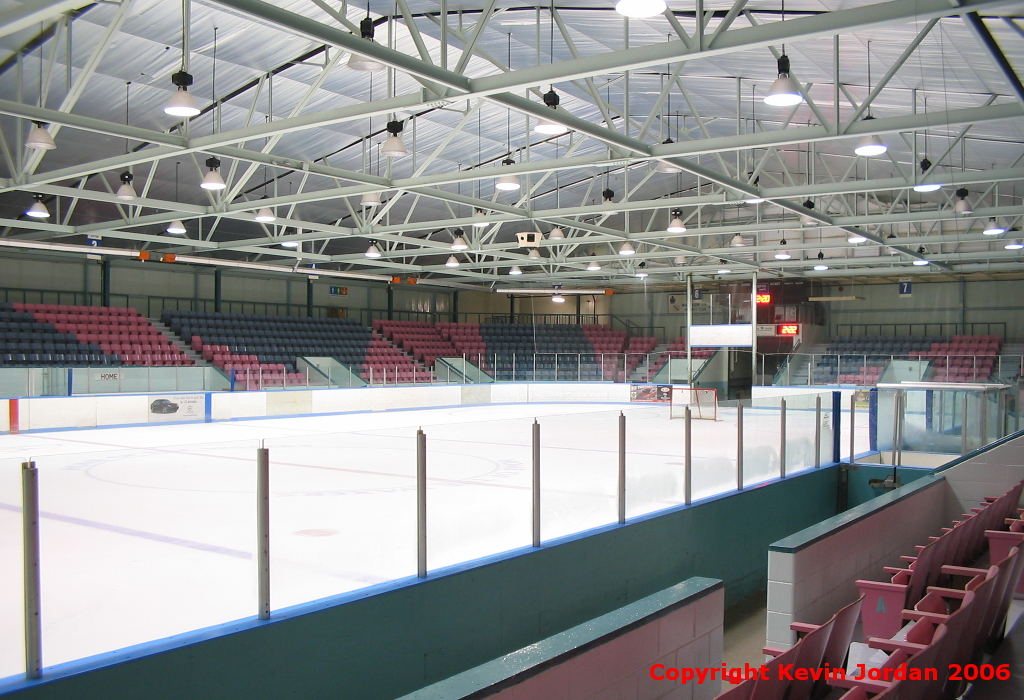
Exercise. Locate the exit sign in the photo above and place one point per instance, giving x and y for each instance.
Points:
(339, 291)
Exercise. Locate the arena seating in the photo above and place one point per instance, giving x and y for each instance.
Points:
(934, 613)
(861, 360)
(677, 350)
(418, 338)
(76, 336)
(263, 350)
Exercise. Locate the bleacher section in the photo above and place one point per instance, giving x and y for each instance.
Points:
(417, 338)
(262, 350)
(861, 360)
(37, 335)
(939, 610)
(677, 351)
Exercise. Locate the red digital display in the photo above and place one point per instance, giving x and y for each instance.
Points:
(764, 298)
(788, 329)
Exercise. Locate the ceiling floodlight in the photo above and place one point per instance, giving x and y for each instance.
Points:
(921, 263)
(265, 215)
(626, 249)
(556, 234)
(663, 166)
(737, 241)
(290, 244)
(370, 199)
(394, 146)
(1014, 245)
(962, 206)
(452, 261)
(870, 144)
(680, 260)
(676, 225)
(126, 191)
(38, 210)
(993, 228)
(507, 182)
(39, 138)
(515, 270)
(639, 9)
(755, 200)
(784, 91)
(821, 268)
(358, 61)
(213, 180)
(176, 227)
(724, 271)
(459, 243)
(926, 186)
(181, 104)
(372, 251)
(558, 299)
(782, 255)
(593, 267)
(534, 255)
(479, 214)
(856, 238)
(545, 125)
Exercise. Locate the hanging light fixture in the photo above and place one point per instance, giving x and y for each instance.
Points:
(534, 255)
(755, 200)
(926, 186)
(213, 180)
(126, 191)
(39, 138)
(676, 225)
(369, 200)
(680, 260)
(176, 227)
(782, 255)
(821, 267)
(265, 215)
(593, 266)
(641, 275)
(664, 166)
(1014, 245)
(807, 219)
(394, 146)
(856, 238)
(921, 263)
(724, 271)
(547, 126)
(737, 241)
(640, 9)
(452, 261)
(558, 299)
(182, 104)
(607, 196)
(556, 234)
(870, 144)
(626, 249)
(358, 61)
(962, 206)
(459, 243)
(993, 228)
(507, 183)
(372, 251)
(38, 210)
(514, 270)
(784, 91)
(479, 214)
(291, 244)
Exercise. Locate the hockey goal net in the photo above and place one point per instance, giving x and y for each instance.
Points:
(703, 403)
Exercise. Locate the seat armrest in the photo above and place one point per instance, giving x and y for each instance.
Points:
(893, 570)
(948, 592)
(773, 651)
(951, 570)
(922, 615)
(891, 645)
(803, 627)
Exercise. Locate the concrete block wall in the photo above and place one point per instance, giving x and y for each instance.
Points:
(990, 473)
(610, 657)
(812, 573)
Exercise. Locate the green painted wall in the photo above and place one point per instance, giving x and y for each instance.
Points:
(859, 491)
(391, 643)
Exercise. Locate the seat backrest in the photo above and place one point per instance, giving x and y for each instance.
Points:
(812, 652)
(743, 691)
(843, 626)
(926, 662)
(773, 687)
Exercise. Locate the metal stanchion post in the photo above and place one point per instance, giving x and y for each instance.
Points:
(817, 432)
(622, 467)
(963, 426)
(853, 412)
(30, 535)
(739, 445)
(535, 519)
(782, 437)
(263, 532)
(687, 459)
(983, 403)
(421, 503)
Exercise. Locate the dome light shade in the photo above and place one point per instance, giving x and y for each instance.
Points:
(452, 261)
(932, 187)
(962, 206)
(265, 215)
(926, 186)
(724, 271)
(626, 249)
(870, 145)
(1014, 245)
(808, 220)
(39, 138)
(593, 266)
(641, 275)
(821, 268)
(676, 225)
(737, 241)
(782, 255)
(558, 299)
(126, 191)
(639, 9)
(181, 104)
(360, 62)
(290, 244)
(856, 238)
(394, 146)
(921, 263)
(507, 182)
(372, 251)
(534, 255)
(556, 234)
(545, 125)
(213, 180)
(514, 270)
(459, 243)
(370, 199)
(38, 210)
(666, 167)
(479, 214)
(175, 227)
(993, 228)
(755, 200)
(680, 260)
(784, 91)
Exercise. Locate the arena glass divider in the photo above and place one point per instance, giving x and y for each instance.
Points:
(808, 427)
(713, 451)
(342, 512)
(12, 592)
(142, 544)
(761, 430)
(654, 458)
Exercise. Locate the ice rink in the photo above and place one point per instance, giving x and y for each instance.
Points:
(148, 532)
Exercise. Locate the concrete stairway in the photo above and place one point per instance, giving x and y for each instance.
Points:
(182, 345)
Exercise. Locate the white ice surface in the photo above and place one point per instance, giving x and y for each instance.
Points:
(149, 532)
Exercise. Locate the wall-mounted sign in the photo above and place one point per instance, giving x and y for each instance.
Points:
(721, 335)
(906, 288)
(339, 291)
(788, 329)
(765, 329)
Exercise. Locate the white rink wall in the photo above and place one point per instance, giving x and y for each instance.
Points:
(61, 412)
